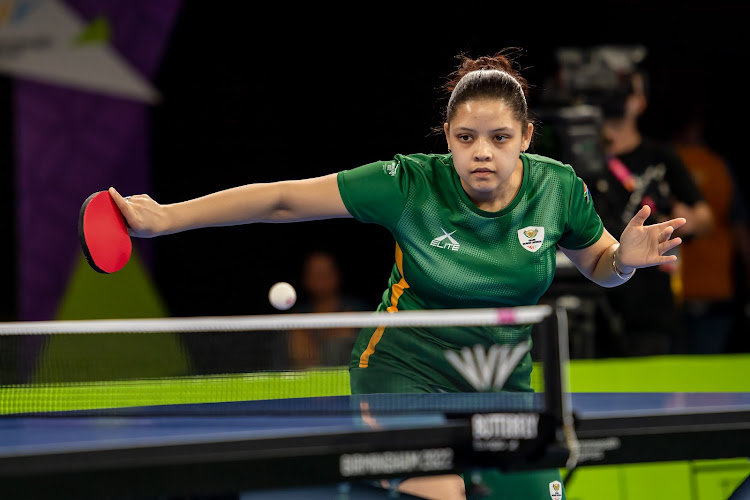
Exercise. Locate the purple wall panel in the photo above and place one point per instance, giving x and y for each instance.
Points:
(70, 143)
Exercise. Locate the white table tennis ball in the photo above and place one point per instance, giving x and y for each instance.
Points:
(282, 296)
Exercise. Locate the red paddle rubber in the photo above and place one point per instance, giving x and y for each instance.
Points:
(104, 234)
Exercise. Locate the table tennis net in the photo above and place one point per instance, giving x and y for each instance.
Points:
(141, 363)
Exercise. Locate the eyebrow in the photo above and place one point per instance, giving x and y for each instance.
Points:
(495, 130)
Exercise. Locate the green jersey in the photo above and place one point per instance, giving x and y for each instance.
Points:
(451, 255)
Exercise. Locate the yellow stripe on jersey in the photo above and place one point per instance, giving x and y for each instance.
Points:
(397, 290)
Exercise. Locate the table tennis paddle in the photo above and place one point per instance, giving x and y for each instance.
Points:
(104, 233)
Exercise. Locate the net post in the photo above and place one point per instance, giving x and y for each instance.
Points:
(557, 398)
(553, 385)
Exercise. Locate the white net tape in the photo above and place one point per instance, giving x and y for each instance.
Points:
(429, 318)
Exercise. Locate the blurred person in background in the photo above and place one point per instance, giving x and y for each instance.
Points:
(641, 171)
(715, 266)
(322, 292)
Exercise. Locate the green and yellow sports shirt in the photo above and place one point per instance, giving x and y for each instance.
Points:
(451, 255)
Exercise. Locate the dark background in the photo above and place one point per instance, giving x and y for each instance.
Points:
(253, 96)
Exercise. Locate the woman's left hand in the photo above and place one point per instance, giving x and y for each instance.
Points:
(645, 246)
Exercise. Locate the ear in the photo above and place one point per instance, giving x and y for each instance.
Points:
(447, 135)
(528, 133)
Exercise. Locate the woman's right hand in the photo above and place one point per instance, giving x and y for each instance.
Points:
(145, 217)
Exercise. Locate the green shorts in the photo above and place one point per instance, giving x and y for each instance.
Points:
(423, 368)
(543, 484)
(412, 361)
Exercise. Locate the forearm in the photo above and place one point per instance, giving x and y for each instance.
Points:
(610, 271)
(285, 201)
(239, 205)
(595, 262)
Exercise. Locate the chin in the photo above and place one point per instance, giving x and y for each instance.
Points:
(483, 189)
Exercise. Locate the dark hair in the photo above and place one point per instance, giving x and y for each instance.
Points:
(493, 77)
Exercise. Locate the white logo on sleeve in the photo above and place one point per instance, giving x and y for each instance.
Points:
(531, 237)
(446, 241)
(391, 168)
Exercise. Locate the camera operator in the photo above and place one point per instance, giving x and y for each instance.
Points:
(645, 171)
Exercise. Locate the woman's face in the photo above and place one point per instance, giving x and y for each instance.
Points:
(486, 141)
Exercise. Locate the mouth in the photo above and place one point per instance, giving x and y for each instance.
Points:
(482, 171)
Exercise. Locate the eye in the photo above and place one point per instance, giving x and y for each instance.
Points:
(464, 137)
(501, 138)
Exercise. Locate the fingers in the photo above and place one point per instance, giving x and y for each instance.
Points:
(676, 223)
(666, 234)
(668, 245)
(119, 201)
(640, 218)
(114, 194)
(666, 242)
(125, 209)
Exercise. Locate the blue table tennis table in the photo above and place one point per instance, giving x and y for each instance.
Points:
(217, 448)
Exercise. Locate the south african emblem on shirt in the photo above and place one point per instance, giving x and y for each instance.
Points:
(555, 490)
(531, 237)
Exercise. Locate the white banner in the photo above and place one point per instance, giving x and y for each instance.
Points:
(46, 41)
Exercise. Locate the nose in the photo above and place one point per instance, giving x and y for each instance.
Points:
(482, 150)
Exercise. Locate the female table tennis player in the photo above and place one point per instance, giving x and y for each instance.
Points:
(477, 226)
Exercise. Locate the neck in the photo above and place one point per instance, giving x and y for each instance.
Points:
(623, 140)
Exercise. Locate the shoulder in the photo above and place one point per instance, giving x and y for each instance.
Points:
(544, 166)
(423, 162)
(399, 167)
(420, 166)
(545, 160)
